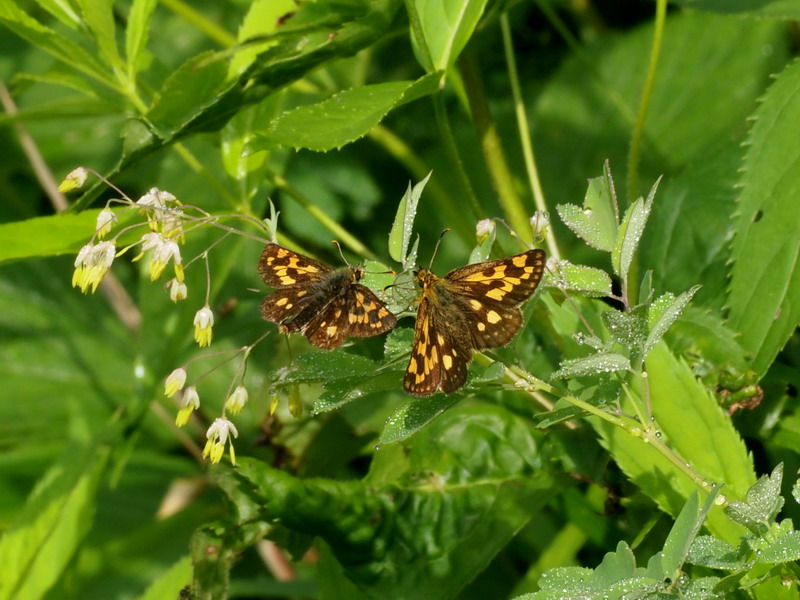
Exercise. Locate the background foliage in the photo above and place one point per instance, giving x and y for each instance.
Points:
(330, 108)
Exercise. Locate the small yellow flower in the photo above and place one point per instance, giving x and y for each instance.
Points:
(190, 402)
(91, 265)
(106, 219)
(174, 382)
(218, 435)
(203, 322)
(162, 254)
(75, 179)
(236, 401)
(177, 290)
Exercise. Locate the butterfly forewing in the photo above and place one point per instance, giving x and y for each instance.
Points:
(471, 308)
(324, 304)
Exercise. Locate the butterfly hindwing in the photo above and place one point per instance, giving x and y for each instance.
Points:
(324, 304)
(471, 308)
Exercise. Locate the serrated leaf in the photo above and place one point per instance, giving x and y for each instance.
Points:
(708, 551)
(662, 314)
(762, 504)
(403, 225)
(630, 232)
(344, 118)
(413, 416)
(783, 550)
(628, 328)
(580, 279)
(98, 15)
(594, 364)
(764, 295)
(596, 222)
(136, 35)
(329, 366)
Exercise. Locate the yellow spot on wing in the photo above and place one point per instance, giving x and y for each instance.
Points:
(493, 317)
(520, 261)
(475, 304)
(496, 294)
(481, 326)
(447, 361)
(282, 301)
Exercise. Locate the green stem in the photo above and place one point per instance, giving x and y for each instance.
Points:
(515, 212)
(337, 230)
(524, 129)
(452, 151)
(199, 20)
(638, 132)
(403, 153)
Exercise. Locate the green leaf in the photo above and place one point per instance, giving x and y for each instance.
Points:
(170, 584)
(98, 15)
(38, 547)
(699, 330)
(187, 93)
(580, 279)
(344, 118)
(596, 222)
(627, 328)
(781, 9)
(786, 549)
(403, 225)
(446, 27)
(663, 313)
(630, 232)
(687, 416)
(136, 35)
(47, 40)
(707, 551)
(263, 18)
(764, 296)
(413, 416)
(594, 364)
(430, 515)
(47, 236)
(762, 504)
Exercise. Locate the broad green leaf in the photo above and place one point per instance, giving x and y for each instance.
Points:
(430, 515)
(187, 93)
(344, 118)
(682, 535)
(594, 364)
(779, 9)
(137, 34)
(580, 279)
(403, 225)
(630, 232)
(697, 429)
(596, 222)
(329, 366)
(627, 328)
(688, 241)
(36, 549)
(98, 15)
(47, 236)
(47, 40)
(661, 316)
(239, 133)
(703, 331)
(586, 112)
(446, 26)
(62, 11)
(764, 296)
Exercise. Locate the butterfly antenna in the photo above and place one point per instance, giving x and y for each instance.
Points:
(339, 246)
(436, 248)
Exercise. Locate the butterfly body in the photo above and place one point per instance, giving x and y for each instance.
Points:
(471, 308)
(324, 304)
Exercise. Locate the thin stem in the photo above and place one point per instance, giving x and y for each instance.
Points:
(641, 115)
(515, 213)
(524, 129)
(340, 232)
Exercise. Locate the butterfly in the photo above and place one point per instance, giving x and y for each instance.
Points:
(471, 308)
(324, 304)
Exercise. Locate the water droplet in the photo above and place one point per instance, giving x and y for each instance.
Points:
(658, 434)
